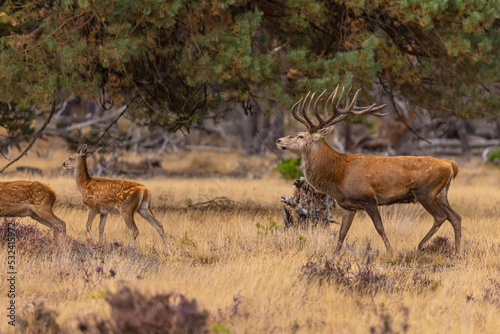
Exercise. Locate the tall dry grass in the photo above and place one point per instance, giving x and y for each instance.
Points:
(270, 279)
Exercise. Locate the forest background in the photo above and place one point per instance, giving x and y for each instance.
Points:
(176, 65)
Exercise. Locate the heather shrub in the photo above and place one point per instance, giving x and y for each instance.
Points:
(29, 237)
(39, 320)
(133, 312)
(235, 309)
(492, 294)
(440, 245)
(356, 273)
(386, 324)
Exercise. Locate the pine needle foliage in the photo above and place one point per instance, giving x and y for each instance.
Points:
(175, 62)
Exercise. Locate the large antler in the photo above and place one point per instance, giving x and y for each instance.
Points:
(337, 115)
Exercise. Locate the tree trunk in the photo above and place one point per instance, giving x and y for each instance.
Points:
(260, 128)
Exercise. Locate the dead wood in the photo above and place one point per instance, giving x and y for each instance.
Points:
(217, 202)
(307, 207)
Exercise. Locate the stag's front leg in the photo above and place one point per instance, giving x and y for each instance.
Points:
(372, 211)
(347, 218)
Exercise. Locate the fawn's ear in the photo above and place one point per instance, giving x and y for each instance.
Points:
(83, 150)
(323, 132)
(92, 151)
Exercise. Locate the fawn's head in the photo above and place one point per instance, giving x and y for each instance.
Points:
(74, 159)
(305, 140)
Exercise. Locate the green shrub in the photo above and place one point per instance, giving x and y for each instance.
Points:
(187, 241)
(301, 241)
(101, 294)
(218, 328)
(290, 168)
(271, 226)
(495, 154)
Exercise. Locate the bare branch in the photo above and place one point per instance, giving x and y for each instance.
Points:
(403, 119)
(35, 137)
(118, 112)
(125, 107)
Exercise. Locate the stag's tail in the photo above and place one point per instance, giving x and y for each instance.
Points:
(454, 166)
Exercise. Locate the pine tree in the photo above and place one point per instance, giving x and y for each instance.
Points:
(174, 62)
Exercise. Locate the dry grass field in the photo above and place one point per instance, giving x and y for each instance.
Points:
(262, 278)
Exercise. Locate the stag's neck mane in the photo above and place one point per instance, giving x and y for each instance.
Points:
(322, 164)
(82, 173)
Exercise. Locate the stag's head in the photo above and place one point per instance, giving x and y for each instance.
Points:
(301, 142)
(74, 160)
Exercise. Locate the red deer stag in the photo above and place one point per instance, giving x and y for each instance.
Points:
(104, 196)
(30, 199)
(364, 182)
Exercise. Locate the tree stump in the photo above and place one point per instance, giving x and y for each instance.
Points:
(307, 207)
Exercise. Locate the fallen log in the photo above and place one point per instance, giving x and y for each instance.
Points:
(454, 146)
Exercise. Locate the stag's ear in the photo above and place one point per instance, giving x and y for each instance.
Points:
(323, 132)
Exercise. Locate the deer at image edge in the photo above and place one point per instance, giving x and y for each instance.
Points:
(30, 199)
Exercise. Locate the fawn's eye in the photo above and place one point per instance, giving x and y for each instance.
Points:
(301, 136)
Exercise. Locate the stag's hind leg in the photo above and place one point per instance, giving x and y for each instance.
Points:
(456, 222)
(432, 206)
(453, 217)
(145, 212)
